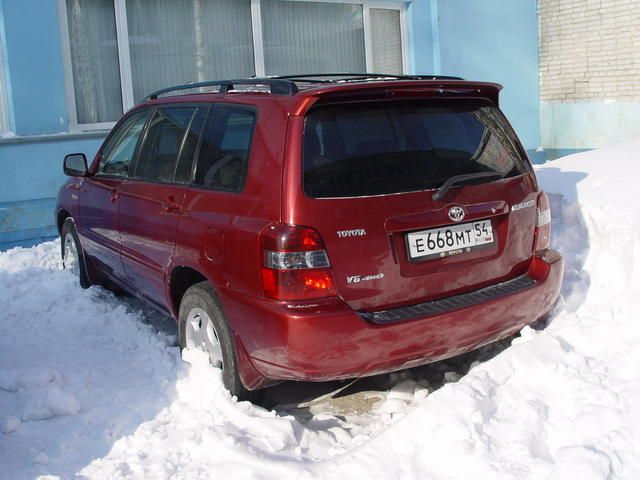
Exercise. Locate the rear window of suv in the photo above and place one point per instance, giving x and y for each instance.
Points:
(392, 147)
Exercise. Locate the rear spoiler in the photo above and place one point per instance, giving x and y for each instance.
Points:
(398, 90)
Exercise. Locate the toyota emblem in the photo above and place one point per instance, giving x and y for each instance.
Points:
(456, 214)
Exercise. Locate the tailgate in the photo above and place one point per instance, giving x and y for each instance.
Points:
(369, 254)
(368, 174)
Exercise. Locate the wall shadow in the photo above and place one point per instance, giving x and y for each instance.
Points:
(570, 234)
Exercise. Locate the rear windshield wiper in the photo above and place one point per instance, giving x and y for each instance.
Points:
(442, 191)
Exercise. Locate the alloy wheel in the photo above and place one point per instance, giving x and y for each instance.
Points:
(200, 333)
(70, 259)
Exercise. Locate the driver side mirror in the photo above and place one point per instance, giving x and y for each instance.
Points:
(75, 165)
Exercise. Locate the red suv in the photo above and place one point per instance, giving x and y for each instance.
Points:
(317, 227)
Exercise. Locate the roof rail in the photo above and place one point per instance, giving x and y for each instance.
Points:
(285, 84)
(276, 85)
(336, 77)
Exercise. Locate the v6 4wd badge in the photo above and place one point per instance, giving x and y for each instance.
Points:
(360, 278)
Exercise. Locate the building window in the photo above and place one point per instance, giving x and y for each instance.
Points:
(386, 42)
(119, 51)
(312, 37)
(179, 41)
(94, 60)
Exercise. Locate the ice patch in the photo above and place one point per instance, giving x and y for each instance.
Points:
(10, 424)
(41, 459)
(52, 402)
(62, 403)
(8, 380)
(36, 377)
(403, 390)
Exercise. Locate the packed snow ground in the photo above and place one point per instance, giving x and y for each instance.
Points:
(93, 386)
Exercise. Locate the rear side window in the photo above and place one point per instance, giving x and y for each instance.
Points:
(224, 152)
(169, 145)
(384, 148)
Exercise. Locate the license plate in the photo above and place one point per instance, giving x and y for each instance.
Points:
(451, 240)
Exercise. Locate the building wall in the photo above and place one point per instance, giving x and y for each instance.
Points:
(34, 66)
(589, 72)
(496, 41)
(31, 160)
(489, 40)
(30, 174)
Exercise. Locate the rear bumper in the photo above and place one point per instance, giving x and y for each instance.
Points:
(319, 341)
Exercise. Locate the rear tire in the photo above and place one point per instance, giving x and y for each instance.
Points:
(202, 324)
(72, 254)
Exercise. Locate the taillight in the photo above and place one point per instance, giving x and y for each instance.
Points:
(295, 263)
(543, 224)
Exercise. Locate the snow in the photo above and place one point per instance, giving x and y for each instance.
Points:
(9, 424)
(92, 385)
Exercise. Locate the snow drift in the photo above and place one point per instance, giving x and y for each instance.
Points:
(91, 385)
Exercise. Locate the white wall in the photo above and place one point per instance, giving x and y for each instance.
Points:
(589, 72)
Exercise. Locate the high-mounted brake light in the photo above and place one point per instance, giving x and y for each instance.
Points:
(543, 224)
(296, 265)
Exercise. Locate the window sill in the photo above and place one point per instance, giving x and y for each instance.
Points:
(52, 137)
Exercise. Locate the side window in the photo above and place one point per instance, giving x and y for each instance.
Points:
(170, 143)
(224, 153)
(119, 150)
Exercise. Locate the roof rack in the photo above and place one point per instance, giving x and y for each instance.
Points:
(286, 84)
(276, 85)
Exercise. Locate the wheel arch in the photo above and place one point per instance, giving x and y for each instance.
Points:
(61, 217)
(180, 279)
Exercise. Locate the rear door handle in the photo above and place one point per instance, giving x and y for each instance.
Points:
(170, 205)
(114, 195)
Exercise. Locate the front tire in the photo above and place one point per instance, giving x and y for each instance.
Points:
(72, 254)
(202, 325)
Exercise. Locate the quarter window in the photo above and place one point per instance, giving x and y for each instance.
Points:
(117, 51)
(224, 153)
(119, 150)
